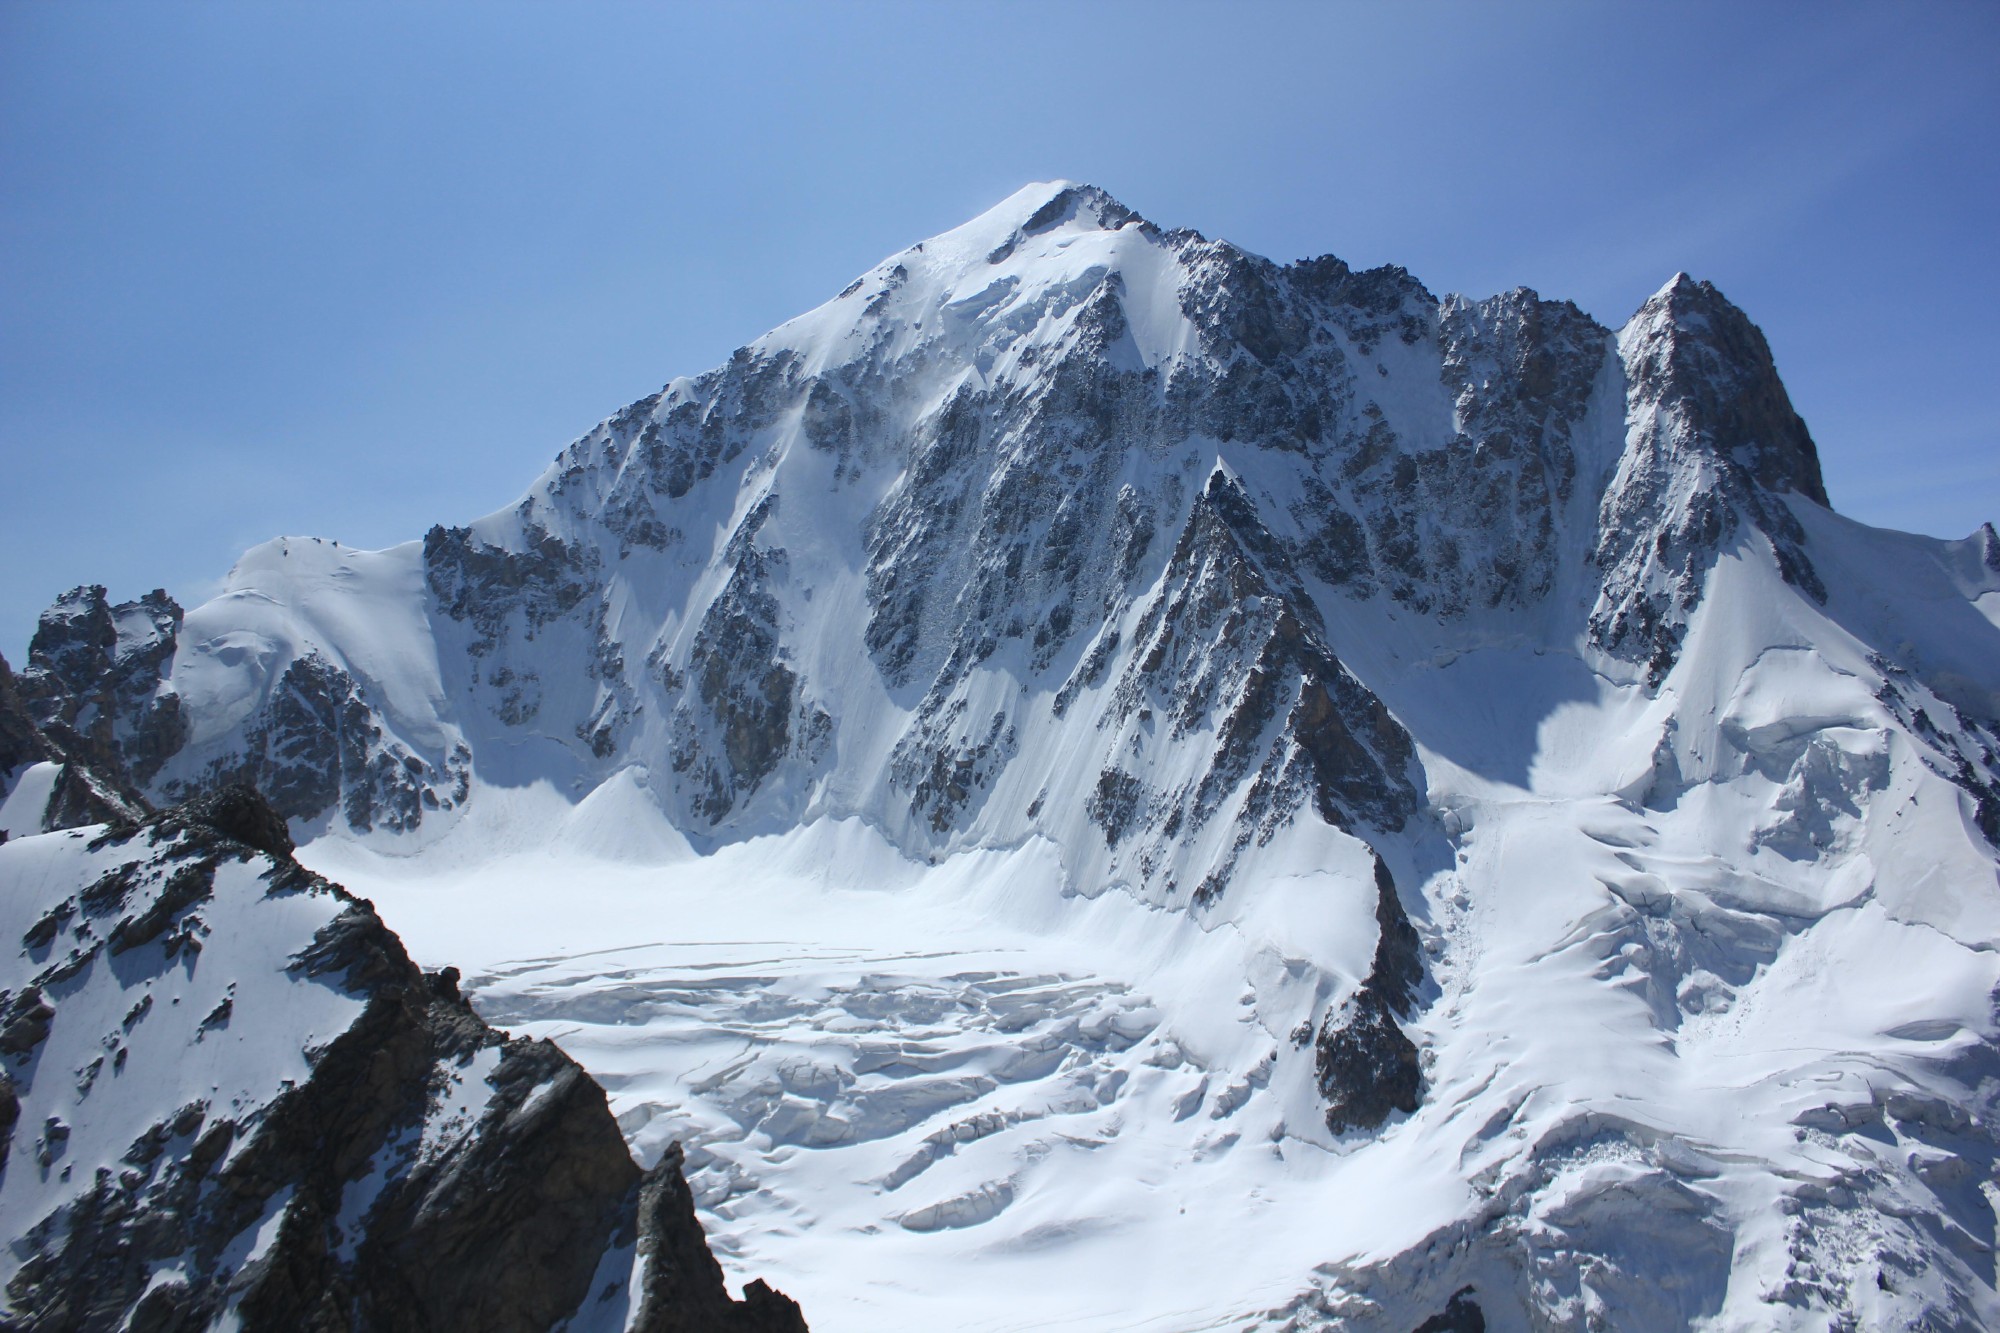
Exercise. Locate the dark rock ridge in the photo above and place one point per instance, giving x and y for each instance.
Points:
(1231, 644)
(1714, 446)
(91, 783)
(421, 1171)
(1366, 1066)
(98, 672)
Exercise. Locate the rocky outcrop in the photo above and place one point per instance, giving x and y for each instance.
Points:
(94, 702)
(681, 1290)
(1713, 447)
(742, 710)
(89, 785)
(294, 1127)
(496, 589)
(1960, 746)
(1366, 1066)
(316, 744)
(1230, 653)
(98, 672)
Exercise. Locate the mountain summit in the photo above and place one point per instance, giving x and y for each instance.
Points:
(1499, 769)
(986, 452)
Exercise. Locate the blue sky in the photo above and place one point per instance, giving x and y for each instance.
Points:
(349, 270)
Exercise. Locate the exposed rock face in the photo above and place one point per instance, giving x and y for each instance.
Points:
(1714, 445)
(99, 671)
(1231, 645)
(682, 1290)
(1520, 371)
(292, 1125)
(743, 712)
(1367, 1066)
(1963, 747)
(317, 744)
(88, 782)
(1474, 519)
(495, 589)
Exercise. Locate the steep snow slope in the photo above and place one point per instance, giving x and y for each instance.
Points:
(1090, 723)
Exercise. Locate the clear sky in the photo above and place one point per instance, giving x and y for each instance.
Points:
(348, 270)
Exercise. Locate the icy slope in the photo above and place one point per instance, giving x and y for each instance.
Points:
(229, 1100)
(1090, 722)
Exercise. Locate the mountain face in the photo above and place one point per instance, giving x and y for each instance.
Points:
(1493, 694)
(1088, 475)
(1056, 468)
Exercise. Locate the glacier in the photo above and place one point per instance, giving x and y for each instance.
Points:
(1099, 781)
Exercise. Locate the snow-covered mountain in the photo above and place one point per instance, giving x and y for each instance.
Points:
(1090, 721)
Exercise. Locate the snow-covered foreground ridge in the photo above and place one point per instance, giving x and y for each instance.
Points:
(235, 1103)
(1107, 754)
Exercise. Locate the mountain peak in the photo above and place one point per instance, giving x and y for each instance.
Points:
(1686, 301)
(1702, 351)
(1040, 208)
(1684, 283)
(1045, 205)
(1085, 204)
